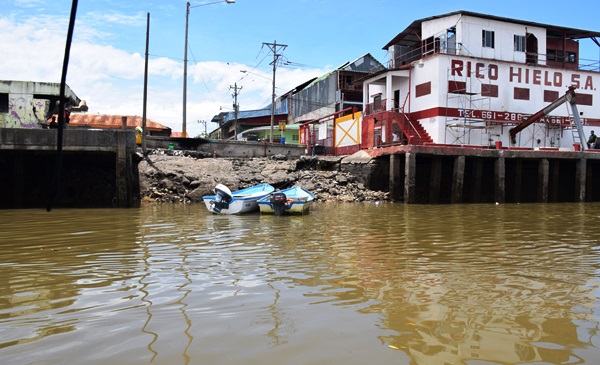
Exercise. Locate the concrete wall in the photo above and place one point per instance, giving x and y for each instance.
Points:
(222, 148)
(25, 104)
(24, 111)
(99, 169)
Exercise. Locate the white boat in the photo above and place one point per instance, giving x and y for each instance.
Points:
(239, 202)
(294, 200)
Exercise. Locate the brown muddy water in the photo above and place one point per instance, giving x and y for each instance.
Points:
(347, 284)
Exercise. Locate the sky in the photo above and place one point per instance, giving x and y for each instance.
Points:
(106, 65)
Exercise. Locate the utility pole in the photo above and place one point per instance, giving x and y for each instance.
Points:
(275, 48)
(188, 6)
(205, 131)
(144, 105)
(236, 108)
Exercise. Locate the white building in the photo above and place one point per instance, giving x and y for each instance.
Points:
(465, 78)
(28, 104)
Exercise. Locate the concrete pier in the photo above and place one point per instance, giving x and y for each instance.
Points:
(442, 174)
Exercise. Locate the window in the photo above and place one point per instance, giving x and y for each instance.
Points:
(487, 38)
(556, 55)
(559, 56)
(519, 43)
(3, 103)
(346, 82)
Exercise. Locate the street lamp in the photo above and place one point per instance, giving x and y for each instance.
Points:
(187, 15)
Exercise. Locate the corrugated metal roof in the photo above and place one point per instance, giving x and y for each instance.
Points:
(281, 109)
(410, 37)
(112, 121)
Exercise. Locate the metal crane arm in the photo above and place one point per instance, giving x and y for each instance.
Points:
(569, 96)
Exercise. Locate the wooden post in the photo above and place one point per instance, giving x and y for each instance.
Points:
(458, 178)
(395, 177)
(410, 173)
(580, 179)
(500, 179)
(543, 177)
(122, 182)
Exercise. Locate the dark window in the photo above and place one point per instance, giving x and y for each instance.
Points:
(521, 93)
(490, 91)
(560, 56)
(487, 38)
(3, 103)
(519, 43)
(346, 82)
(550, 96)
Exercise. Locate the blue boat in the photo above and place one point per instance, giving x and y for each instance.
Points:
(238, 202)
(294, 200)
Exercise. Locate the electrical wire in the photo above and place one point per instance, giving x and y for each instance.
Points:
(201, 77)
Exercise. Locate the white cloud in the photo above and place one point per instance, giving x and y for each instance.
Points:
(29, 3)
(111, 80)
(112, 17)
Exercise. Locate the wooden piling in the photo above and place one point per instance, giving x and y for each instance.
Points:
(410, 178)
(396, 191)
(580, 179)
(543, 178)
(458, 178)
(500, 180)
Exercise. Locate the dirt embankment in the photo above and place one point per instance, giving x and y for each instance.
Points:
(177, 178)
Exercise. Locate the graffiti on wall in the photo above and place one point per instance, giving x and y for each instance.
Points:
(25, 112)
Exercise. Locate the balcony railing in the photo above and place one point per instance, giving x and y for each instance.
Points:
(452, 48)
(376, 107)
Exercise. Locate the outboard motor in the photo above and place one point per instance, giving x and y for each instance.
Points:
(278, 201)
(222, 198)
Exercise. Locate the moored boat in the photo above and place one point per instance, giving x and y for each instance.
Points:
(238, 202)
(294, 200)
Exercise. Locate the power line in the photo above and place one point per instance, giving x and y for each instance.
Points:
(275, 48)
(201, 77)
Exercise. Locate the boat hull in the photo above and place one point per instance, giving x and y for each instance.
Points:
(298, 202)
(241, 202)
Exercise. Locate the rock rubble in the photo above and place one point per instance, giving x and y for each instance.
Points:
(180, 177)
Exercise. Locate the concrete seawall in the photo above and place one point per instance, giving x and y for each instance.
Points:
(219, 148)
(450, 174)
(99, 168)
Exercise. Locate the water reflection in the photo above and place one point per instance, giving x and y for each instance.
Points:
(348, 283)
